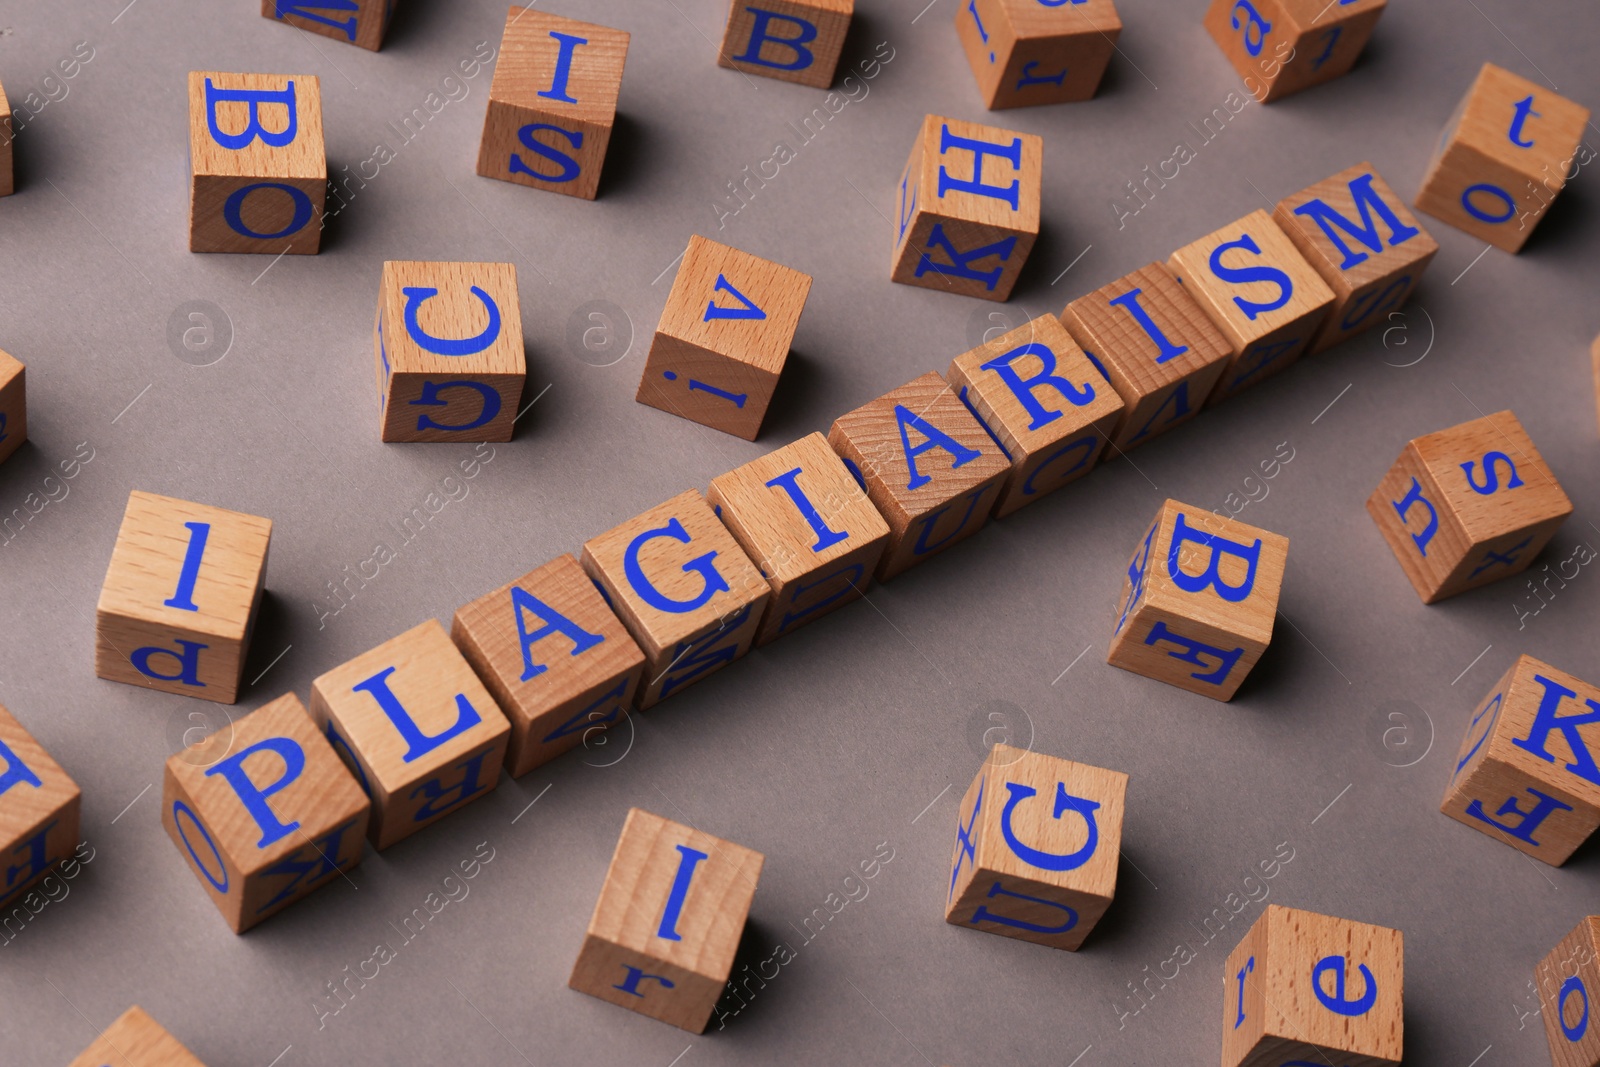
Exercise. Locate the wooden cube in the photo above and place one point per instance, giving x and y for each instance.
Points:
(258, 175)
(1282, 46)
(1026, 52)
(1037, 844)
(1267, 300)
(13, 405)
(1359, 237)
(552, 103)
(1043, 402)
(135, 1040)
(723, 338)
(684, 589)
(1156, 347)
(359, 22)
(555, 658)
(275, 819)
(791, 40)
(1303, 987)
(447, 343)
(1526, 772)
(662, 938)
(969, 208)
(39, 806)
(1505, 154)
(1568, 981)
(415, 726)
(1467, 506)
(933, 501)
(180, 596)
(808, 525)
(8, 183)
(1199, 601)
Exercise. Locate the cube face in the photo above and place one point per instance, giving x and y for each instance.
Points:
(1467, 506)
(13, 405)
(1263, 295)
(258, 173)
(7, 138)
(1038, 395)
(180, 597)
(791, 40)
(724, 337)
(1199, 602)
(1359, 237)
(39, 806)
(809, 527)
(1502, 158)
(1526, 773)
(928, 465)
(1027, 52)
(276, 819)
(1303, 987)
(447, 343)
(1282, 46)
(1155, 345)
(1037, 843)
(553, 103)
(969, 208)
(359, 22)
(415, 726)
(135, 1040)
(1569, 982)
(683, 587)
(555, 658)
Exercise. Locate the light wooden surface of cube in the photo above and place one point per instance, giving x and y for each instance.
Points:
(1025, 53)
(39, 811)
(791, 40)
(135, 1040)
(363, 24)
(13, 405)
(1568, 981)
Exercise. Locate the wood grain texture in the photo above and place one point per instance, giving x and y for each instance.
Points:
(741, 358)
(1159, 388)
(1503, 157)
(39, 811)
(216, 834)
(950, 494)
(525, 92)
(364, 27)
(8, 183)
(1053, 434)
(1285, 1018)
(1568, 980)
(584, 671)
(1011, 821)
(13, 405)
(269, 220)
(418, 390)
(413, 782)
(1023, 53)
(1268, 321)
(686, 970)
(1292, 44)
(135, 1040)
(811, 573)
(1199, 601)
(146, 570)
(1513, 521)
(694, 600)
(1545, 808)
(830, 19)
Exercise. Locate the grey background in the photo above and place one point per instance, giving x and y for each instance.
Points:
(864, 728)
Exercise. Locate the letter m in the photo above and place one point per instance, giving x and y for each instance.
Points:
(307, 9)
(1367, 204)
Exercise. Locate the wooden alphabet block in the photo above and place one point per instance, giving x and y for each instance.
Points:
(359, 22)
(662, 938)
(7, 138)
(552, 103)
(1282, 46)
(969, 208)
(1505, 154)
(1041, 399)
(447, 344)
(931, 502)
(1026, 52)
(724, 337)
(808, 525)
(1156, 347)
(1261, 292)
(135, 1040)
(1037, 844)
(1526, 773)
(1199, 601)
(555, 658)
(1357, 234)
(415, 726)
(258, 173)
(791, 40)
(1569, 982)
(180, 596)
(684, 589)
(1303, 987)
(39, 806)
(1467, 506)
(13, 405)
(275, 819)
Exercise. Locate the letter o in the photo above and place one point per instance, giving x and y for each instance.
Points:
(1578, 1029)
(233, 208)
(179, 807)
(1494, 191)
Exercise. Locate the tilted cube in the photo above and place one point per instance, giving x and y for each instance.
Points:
(1282, 46)
(39, 808)
(13, 405)
(135, 1040)
(791, 40)
(359, 22)
(1568, 981)
(1026, 52)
